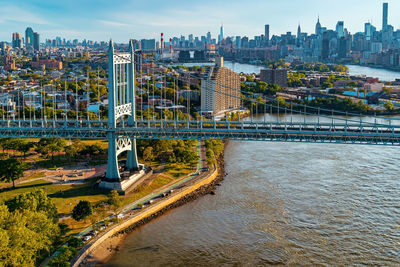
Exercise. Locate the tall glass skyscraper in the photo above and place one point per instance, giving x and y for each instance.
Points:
(221, 34)
(29, 38)
(340, 29)
(385, 16)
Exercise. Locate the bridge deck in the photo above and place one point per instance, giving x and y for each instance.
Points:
(314, 132)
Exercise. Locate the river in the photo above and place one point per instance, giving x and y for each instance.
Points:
(283, 203)
(382, 74)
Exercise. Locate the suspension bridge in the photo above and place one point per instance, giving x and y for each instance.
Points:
(124, 126)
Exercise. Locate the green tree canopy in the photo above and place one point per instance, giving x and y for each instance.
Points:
(37, 201)
(82, 210)
(11, 170)
(114, 200)
(26, 232)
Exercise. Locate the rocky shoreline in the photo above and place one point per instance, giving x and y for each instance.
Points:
(202, 191)
(104, 252)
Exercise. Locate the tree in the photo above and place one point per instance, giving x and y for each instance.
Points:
(92, 150)
(114, 200)
(75, 242)
(37, 201)
(71, 152)
(82, 210)
(11, 170)
(389, 106)
(352, 84)
(63, 259)
(387, 90)
(47, 146)
(148, 154)
(24, 147)
(326, 85)
(25, 236)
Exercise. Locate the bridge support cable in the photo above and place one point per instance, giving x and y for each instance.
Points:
(299, 105)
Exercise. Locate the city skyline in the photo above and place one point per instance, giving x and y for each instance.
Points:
(146, 20)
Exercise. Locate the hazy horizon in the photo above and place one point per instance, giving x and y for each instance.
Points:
(122, 20)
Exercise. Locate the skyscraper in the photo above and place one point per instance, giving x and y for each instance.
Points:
(209, 37)
(318, 27)
(29, 37)
(340, 29)
(325, 46)
(16, 40)
(342, 50)
(36, 41)
(221, 34)
(266, 35)
(369, 31)
(385, 16)
(299, 38)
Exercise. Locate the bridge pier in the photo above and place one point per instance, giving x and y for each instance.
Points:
(132, 162)
(112, 161)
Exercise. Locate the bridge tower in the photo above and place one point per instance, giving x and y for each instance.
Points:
(121, 103)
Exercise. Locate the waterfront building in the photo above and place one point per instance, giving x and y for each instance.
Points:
(274, 76)
(220, 89)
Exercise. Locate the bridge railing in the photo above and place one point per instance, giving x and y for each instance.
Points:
(194, 124)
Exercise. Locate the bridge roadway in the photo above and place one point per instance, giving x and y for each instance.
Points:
(311, 132)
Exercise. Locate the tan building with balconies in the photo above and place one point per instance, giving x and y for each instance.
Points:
(220, 90)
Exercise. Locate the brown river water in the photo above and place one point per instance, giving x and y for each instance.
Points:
(283, 204)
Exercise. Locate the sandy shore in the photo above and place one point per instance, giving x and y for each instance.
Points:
(104, 251)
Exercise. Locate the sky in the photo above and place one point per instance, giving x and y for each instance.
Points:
(122, 20)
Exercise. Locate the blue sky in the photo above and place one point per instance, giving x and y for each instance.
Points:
(125, 19)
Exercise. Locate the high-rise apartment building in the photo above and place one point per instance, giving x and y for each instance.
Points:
(274, 76)
(16, 40)
(385, 16)
(220, 89)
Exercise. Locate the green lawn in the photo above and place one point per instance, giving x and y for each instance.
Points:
(177, 170)
(148, 188)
